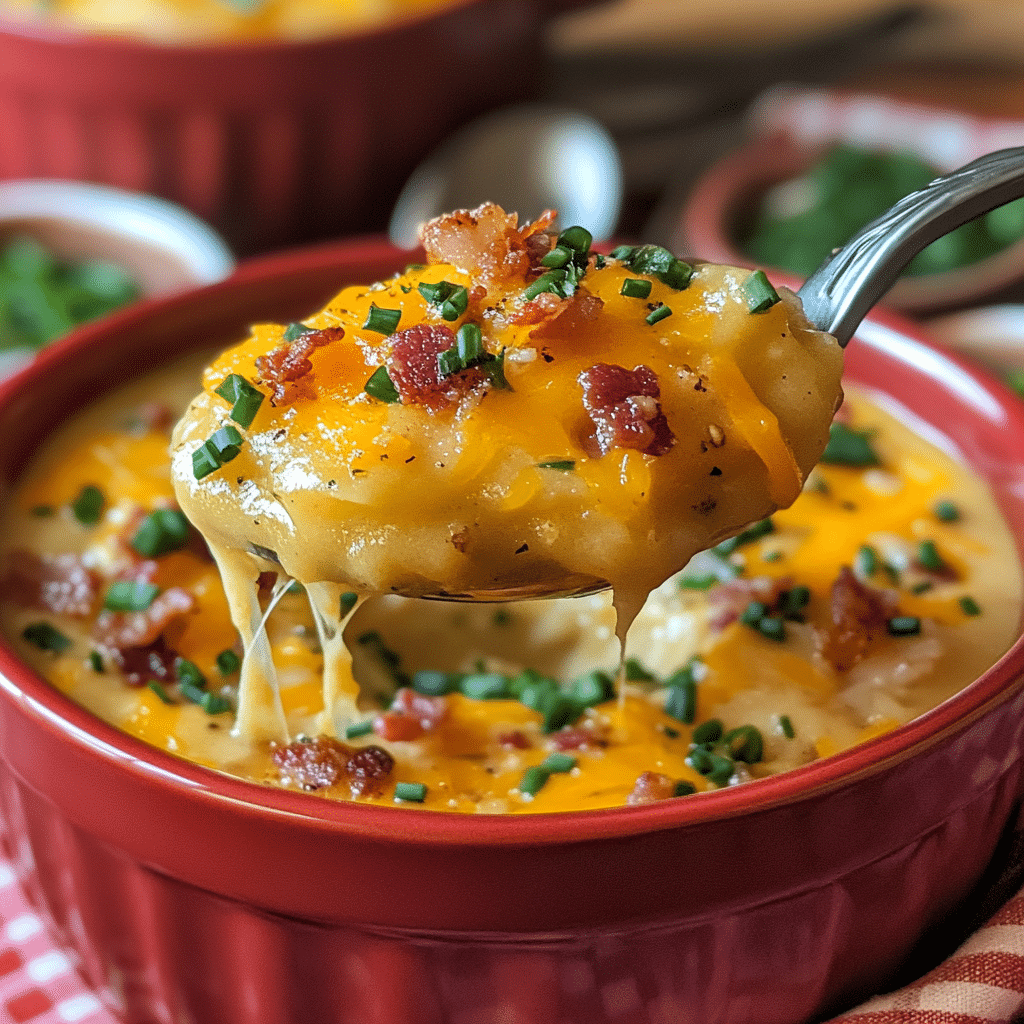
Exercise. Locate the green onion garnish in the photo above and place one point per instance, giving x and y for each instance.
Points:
(382, 321)
(708, 732)
(684, 788)
(655, 261)
(928, 556)
(228, 663)
(43, 511)
(759, 292)
(793, 603)
(357, 729)
(559, 763)
(346, 603)
(866, 560)
(923, 587)
(636, 673)
(411, 792)
(636, 288)
(701, 581)
(448, 362)
(88, 506)
(159, 691)
(969, 606)
(747, 536)
(904, 625)
(553, 281)
(435, 292)
(293, 331)
(745, 744)
(222, 446)
(592, 688)
(485, 686)
(188, 674)
(96, 661)
(469, 343)
(381, 386)
(130, 596)
(946, 511)
(681, 702)
(455, 305)
(659, 313)
(576, 238)
(163, 530)
(46, 637)
(209, 702)
(786, 725)
(534, 780)
(435, 684)
(204, 461)
(557, 257)
(772, 627)
(847, 447)
(562, 465)
(246, 400)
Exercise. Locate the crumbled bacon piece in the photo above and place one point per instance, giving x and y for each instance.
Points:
(514, 740)
(858, 616)
(651, 787)
(411, 715)
(316, 764)
(54, 583)
(487, 242)
(554, 315)
(367, 770)
(576, 738)
(154, 416)
(287, 368)
(624, 407)
(728, 600)
(413, 363)
(140, 665)
(138, 629)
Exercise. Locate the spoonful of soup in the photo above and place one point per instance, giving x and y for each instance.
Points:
(518, 416)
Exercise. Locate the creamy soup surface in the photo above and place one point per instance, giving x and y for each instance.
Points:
(889, 584)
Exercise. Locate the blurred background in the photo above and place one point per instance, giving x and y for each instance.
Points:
(741, 132)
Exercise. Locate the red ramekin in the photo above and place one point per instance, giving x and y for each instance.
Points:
(190, 896)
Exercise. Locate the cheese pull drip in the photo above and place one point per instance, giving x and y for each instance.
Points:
(519, 413)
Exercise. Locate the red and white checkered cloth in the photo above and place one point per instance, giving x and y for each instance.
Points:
(981, 983)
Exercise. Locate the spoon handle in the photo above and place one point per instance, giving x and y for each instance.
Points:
(840, 292)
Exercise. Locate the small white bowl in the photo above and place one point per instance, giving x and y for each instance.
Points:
(162, 246)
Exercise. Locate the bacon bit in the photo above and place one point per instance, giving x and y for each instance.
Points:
(153, 416)
(624, 407)
(317, 764)
(576, 738)
(139, 665)
(138, 629)
(413, 364)
(728, 600)
(651, 787)
(412, 714)
(367, 770)
(53, 583)
(487, 242)
(515, 740)
(287, 368)
(555, 316)
(858, 616)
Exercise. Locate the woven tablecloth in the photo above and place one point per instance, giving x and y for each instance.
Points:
(981, 983)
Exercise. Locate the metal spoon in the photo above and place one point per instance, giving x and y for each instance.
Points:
(526, 158)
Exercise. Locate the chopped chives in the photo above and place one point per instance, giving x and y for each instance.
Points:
(161, 531)
(448, 362)
(635, 672)
(549, 282)
(708, 732)
(773, 627)
(346, 603)
(469, 343)
(759, 293)
(88, 506)
(562, 465)
(786, 724)
(592, 688)
(228, 663)
(794, 601)
(534, 780)
(659, 313)
(946, 511)
(923, 587)
(866, 560)
(357, 729)
(745, 744)
(485, 686)
(159, 691)
(557, 257)
(381, 386)
(43, 511)
(456, 304)
(209, 702)
(928, 556)
(684, 788)
(904, 625)
(753, 532)
(753, 613)
(46, 637)
(293, 331)
(576, 238)
(96, 661)
(435, 292)
(227, 443)
(636, 288)
(411, 792)
(204, 461)
(130, 596)
(656, 261)
(246, 400)
(559, 763)
(681, 702)
(969, 606)
(701, 581)
(502, 617)
(188, 674)
(435, 684)
(848, 447)
(381, 320)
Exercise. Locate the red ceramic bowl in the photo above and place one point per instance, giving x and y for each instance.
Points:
(791, 129)
(270, 142)
(191, 896)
